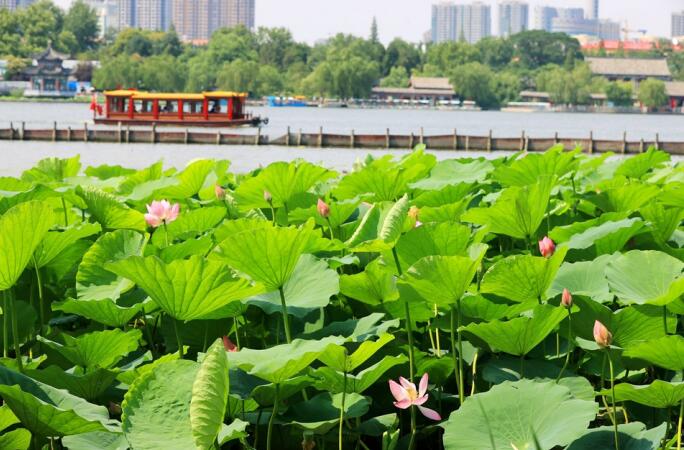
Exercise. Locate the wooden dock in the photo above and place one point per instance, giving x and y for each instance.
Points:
(453, 141)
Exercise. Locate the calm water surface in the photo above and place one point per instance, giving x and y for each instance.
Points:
(16, 156)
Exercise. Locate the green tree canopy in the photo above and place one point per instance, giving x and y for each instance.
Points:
(652, 93)
(81, 21)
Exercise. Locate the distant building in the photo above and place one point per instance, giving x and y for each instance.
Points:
(453, 22)
(126, 10)
(592, 11)
(48, 77)
(14, 4)
(609, 30)
(678, 24)
(630, 69)
(196, 20)
(543, 16)
(577, 21)
(513, 17)
(107, 12)
(237, 12)
(420, 89)
(571, 21)
(153, 15)
(618, 46)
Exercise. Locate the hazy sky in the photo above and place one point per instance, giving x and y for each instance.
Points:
(310, 20)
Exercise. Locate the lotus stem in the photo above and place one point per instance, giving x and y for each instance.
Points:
(286, 319)
(472, 387)
(178, 338)
(166, 234)
(41, 300)
(612, 390)
(407, 311)
(66, 219)
(15, 333)
(344, 394)
(679, 425)
(5, 324)
(665, 319)
(332, 235)
(569, 349)
(236, 324)
(273, 414)
(461, 377)
(412, 441)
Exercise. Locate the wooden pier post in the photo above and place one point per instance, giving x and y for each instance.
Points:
(257, 138)
(467, 143)
(522, 140)
(387, 138)
(153, 138)
(299, 138)
(119, 133)
(351, 139)
(69, 133)
(590, 149)
(218, 137)
(455, 139)
(422, 136)
(54, 131)
(22, 131)
(128, 134)
(11, 135)
(411, 141)
(489, 141)
(657, 141)
(555, 138)
(527, 143)
(186, 137)
(85, 131)
(641, 145)
(623, 148)
(320, 137)
(287, 137)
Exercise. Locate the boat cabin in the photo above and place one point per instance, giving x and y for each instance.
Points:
(217, 108)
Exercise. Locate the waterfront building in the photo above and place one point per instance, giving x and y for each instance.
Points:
(48, 77)
(634, 70)
(513, 17)
(678, 24)
(454, 22)
(421, 89)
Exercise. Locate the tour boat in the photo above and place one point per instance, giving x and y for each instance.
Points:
(208, 109)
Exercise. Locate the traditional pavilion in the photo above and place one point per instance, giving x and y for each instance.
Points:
(47, 75)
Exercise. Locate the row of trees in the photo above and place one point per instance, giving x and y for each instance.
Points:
(269, 60)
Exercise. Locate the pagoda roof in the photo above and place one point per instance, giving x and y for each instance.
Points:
(50, 54)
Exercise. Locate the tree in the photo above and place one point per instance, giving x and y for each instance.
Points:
(269, 81)
(162, 73)
(652, 93)
(676, 63)
(274, 45)
(567, 87)
(398, 77)
(40, 24)
(374, 38)
(537, 48)
(620, 93)
(15, 67)
(81, 21)
(446, 56)
(122, 71)
(475, 81)
(239, 75)
(168, 44)
(400, 53)
(231, 44)
(495, 52)
(10, 34)
(507, 87)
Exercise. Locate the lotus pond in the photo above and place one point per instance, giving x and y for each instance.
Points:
(527, 302)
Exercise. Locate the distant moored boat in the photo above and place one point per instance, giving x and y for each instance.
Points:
(208, 109)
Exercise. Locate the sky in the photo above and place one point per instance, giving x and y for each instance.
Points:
(312, 20)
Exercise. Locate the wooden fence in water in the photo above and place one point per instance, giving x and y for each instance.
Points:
(453, 141)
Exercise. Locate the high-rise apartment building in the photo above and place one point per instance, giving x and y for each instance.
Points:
(513, 17)
(198, 19)
(452, 22)
(107, 12)
(592, 11)
(153, 15)
(543, 17)
(237, 12)
(678, 24)
(14, 4)
(127, 13)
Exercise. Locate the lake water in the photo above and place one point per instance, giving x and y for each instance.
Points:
(17, 156)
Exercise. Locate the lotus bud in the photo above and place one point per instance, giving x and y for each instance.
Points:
(323, 209)
(220, 192)
(566, 299)
(546, 247)
(228, 344)
(114, 409)
(602, 336)
(268, 197)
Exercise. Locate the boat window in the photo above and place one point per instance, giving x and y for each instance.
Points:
(168, 106)
(192, 107)
(217, 106)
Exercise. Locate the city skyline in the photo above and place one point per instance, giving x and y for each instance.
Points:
(410, 19)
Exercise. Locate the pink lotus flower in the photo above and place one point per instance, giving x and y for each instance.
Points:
(602, 336)
(228, 344)
(323, 209)
(546, 247)
(219, 192)
(161, 212)
(268, 197)
(406, 395)
(566, 299)
(413, 214)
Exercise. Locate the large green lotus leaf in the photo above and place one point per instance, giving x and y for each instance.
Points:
(519, 415)
(517, 212)
(47, 411)
(420, 309)
(320, 414)
(374, 286)
(338, 357)
(583, 278)
(190, 224)
(142, 366)
(356, 330)
(442, 280)
(149, 173)
(93, 281)
(444, 239)
(631, 436)
(7, 417)
(311, 285)
(15, 440)
(446, 213)
(637, 323)
(339, 213)
(659, 394)
(106, 171)
(209, 397)
(625, 197)
(446, 196)
(637, 166)
(283, 180)
(185, 289)
(49, 170)
(281, 362)
(608, 237)
(104, 311)
(191, 180)
(88, 385)
(26, 322)
(264, 394)
(645, 276)
(110, 212)
(380, 228)
(236, 430)
(96, 440)
(185, 249)
(666, 352)
(529, 168)
(97, 349)
(55, 242)
(453, 171)
(329, 379)
(269, 254)
(22, 228)
(518, 336)
(664, 221)
(523, 278)
(156, 409)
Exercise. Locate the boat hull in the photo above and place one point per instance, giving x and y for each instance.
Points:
(213, 123)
